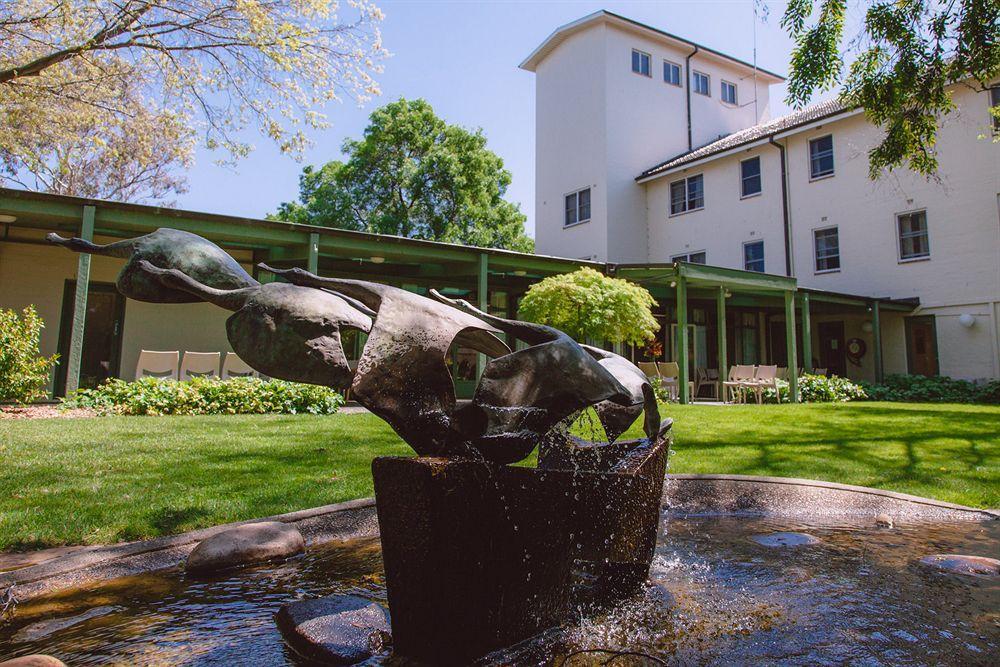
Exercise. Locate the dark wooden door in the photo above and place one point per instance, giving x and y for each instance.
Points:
(831, 348)
(921, 345)
(102, 337)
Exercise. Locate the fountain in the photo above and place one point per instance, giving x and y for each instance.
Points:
(479, 554)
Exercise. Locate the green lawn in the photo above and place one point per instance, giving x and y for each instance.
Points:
(118, 478)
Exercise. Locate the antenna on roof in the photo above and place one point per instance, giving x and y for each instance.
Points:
(756, 112)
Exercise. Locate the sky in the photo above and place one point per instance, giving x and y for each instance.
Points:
(463, 58)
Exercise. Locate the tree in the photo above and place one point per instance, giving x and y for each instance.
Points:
(910, 53)
(109, 98)
(414, 175)
(589, 305)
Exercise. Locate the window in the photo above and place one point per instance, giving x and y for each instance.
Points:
(577, 207)
(728, 92)
(687, 194)
(821, 156)
(827, 243)
(913, 243)
(640, 62)
(753, 256)
(701, 83)
(995, 102)
(671, 73)
(691, 258)
(750, 177)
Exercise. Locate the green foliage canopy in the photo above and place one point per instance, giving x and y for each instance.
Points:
(414, 175)
(587, 304)
(909, 53)
(23, 371)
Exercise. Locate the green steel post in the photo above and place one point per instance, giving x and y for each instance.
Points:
(793, 361)
(807, 342)
(720, 306)
(80, 305)
(682, 337)
(877, 342)
(313, 261)
(482, 291)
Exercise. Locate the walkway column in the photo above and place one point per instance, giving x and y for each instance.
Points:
(793, 360)
(807, 343)
(482, 290)
(80, 305)
(877, 343)
(682, 337)
(312, 263)
(720, 308)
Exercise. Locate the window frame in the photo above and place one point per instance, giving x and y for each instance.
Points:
(763, 265)
(576, 194)
(687, 195)
(680, 73)
(708, 85)
(760, 178)
(686, 257)
(816, 257)
(833, 158)
(649, 63)
(994, 92)
(736, 94)
(899, 237)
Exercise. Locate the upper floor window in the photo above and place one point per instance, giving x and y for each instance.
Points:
(753, 256)
(750, 177)
(728, 92)
(671, 73)
(821, 156)
(691, 258)
(701, 83)
(687, 194)
(577, 207)
(827, 246)
(995, 103)
(913, 241)
(640, 62)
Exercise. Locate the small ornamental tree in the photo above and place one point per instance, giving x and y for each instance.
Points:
(23, 371)
(589, 305)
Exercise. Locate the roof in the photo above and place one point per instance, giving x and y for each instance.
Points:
(560, 34)
(810, 114)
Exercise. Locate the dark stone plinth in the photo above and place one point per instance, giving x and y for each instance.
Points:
(479, 556)
(336, 630)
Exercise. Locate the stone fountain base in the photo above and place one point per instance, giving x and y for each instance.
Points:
(480, 556)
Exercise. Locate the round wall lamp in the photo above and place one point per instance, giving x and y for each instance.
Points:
(520, 273)
(967, 320)
(867, 327)
(8, 218)
(377, 259)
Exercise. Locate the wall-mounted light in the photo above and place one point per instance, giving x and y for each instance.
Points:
(867, 327)
(377, 259)
(728, 294)
(967, 320)
(8, 218)
(673, 284)
(520, 273)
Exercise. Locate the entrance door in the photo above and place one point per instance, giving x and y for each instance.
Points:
(831, 348)
(921, 345)
(102, 337)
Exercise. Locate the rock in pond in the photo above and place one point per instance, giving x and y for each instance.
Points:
(37, 660)
(961, 564)
(785, 539)
(337, 630)
(883, 521)
(245, 545)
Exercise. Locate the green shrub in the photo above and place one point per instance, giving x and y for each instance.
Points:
(203, 396)
(932, 389)
(819, 389)
(23, 371)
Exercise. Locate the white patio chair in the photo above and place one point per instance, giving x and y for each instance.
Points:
(766, 378)
(741, 378)
(234, 367)
(153, 363)
(670, 373)
(649, 368)
(200, 364)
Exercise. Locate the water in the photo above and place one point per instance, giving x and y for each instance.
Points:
(716, 596)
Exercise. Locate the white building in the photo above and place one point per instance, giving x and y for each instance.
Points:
(652, 149)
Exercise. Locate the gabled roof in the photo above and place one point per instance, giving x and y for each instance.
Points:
(750, 135)
(560, 34)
